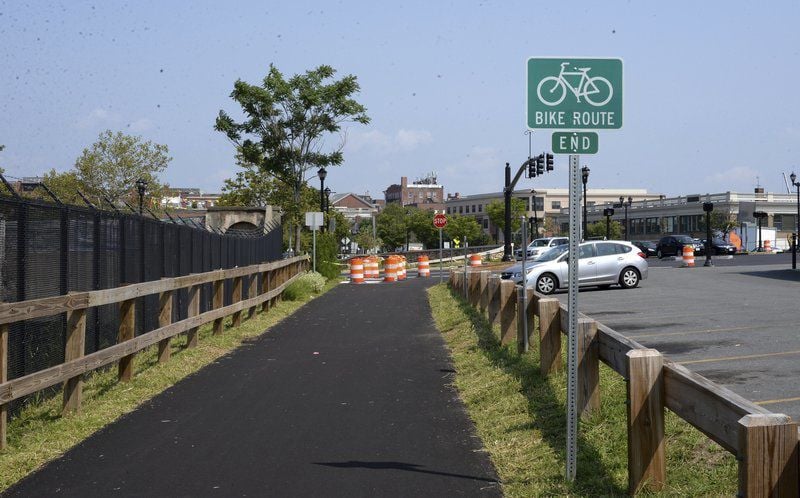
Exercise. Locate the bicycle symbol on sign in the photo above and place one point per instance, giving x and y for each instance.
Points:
(596, 90)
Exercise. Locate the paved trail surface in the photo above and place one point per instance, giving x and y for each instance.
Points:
(350, 396)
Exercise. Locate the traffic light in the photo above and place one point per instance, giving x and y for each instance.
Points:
(532, 167)
(540, 164)
(549, 162)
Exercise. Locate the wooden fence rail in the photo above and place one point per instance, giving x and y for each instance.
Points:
(276, 276)
(766, 445)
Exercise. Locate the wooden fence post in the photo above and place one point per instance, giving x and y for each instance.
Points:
(3, 378)
(237, 297)
(484, 290)
(549, 335)
(264, 290)
(252, 292)
(281, 274)
(218, 301)
(524, 313)
(768, 456)
(193, 310)
(73, 349)
(474, 288)
(493, 297)
(127, 330)
(508, 312)
(164, 319)
(588, 367)
(646, 462)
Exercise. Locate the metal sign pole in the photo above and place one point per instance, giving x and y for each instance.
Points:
(441, 275)
(572, 358)
(314, 243)
(524, 246)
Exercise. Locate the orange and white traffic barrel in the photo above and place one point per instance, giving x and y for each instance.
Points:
(371, 271)
(356, 271)
(423, 266)
(688, 256)
(401, 268)
(474, 259)
(390, 269)
(767, 246)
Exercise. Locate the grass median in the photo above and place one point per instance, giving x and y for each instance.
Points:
(521, 418)
(39, 433)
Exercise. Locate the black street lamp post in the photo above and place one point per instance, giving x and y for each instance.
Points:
(708, 207)
(322, 173)
(327, 200)
(585, 178)
(759, 216)
(608, 213)
(141, 187)
(796, 233)
(626, 206)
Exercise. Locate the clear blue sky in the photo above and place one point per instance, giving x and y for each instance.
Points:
(711, 88)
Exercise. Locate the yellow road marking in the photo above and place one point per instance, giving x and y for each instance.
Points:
(745, 357)
(771, 401)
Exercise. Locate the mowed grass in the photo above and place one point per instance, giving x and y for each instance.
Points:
(39, 433)
(521, 418)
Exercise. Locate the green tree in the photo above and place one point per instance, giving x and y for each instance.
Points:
(720, 223)
(112, 165)
(420, 222)
(286, 122)
(598, 229)
(497, 214)
(392, 226)
(463, 226)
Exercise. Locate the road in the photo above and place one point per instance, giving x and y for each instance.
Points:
(739, 260)
(350, 396)
(735, 324)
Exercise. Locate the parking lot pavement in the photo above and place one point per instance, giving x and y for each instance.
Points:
(736, 325)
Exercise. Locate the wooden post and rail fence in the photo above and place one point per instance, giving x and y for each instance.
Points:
(275, 277)
(765, 444)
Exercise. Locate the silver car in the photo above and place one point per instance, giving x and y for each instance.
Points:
(600, 263)
(539, 246)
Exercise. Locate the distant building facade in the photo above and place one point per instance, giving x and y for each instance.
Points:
(353, 206)
(424, 194)
(189, 198)
(544, 204)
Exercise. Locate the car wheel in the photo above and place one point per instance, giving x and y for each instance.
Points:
(629, 278)
(546, 283)
(659, 254)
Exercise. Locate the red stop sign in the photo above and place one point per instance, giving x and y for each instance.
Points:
(440, 221)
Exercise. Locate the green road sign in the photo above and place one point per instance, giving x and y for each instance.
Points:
(575, 142)
(577, 94)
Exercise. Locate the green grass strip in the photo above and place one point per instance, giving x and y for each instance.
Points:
(39, 434)
(521, 418)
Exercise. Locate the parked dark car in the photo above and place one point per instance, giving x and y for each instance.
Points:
(672, 245)
(719, 246)
(648, 247)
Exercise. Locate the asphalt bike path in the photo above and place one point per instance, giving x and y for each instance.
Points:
(350, 396)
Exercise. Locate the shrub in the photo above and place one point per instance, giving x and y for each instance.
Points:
(309, 283)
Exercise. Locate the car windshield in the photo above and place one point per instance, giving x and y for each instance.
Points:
(720, 242)
(539, 243)
(553, 253)
(684, 239)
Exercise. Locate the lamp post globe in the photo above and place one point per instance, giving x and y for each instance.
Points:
(141, 187)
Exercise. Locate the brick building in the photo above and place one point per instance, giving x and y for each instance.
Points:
(424, 194)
